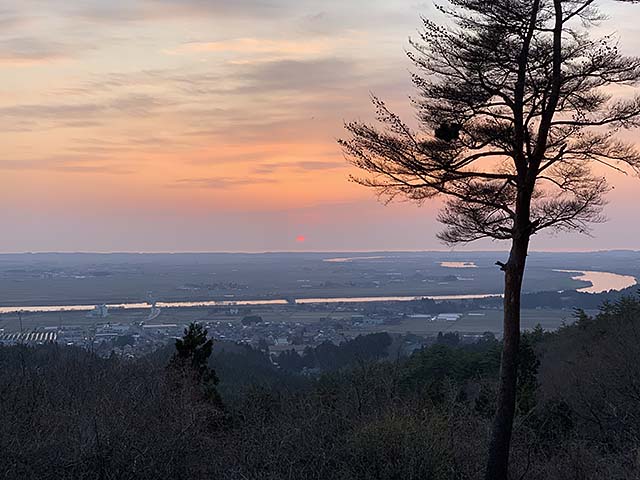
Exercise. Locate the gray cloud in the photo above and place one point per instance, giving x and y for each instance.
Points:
(73, 114)
(144, 10)
(67, 163)
(129, 144)
(32, 49)
(301, 166)
(297, 74)
(110, 169)
(242, 79)
(220, 183)
(12, 19)
(137, 104)
(52, 111)
(29, 48)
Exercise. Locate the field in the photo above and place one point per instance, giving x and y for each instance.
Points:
(59, 279)
(479, 322)
(68, 279)
(475, 322)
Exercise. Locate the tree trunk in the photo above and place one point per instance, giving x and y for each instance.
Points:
(498, 462)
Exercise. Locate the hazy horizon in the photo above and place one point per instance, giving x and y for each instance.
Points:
(295, 252)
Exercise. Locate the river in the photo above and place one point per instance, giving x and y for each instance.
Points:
(600, 282)
(230, 303)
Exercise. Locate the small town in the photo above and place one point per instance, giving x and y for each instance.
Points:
(106, 332)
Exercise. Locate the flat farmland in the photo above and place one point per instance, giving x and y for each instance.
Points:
(62, 279)
(478, 322)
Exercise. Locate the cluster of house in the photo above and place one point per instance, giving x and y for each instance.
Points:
(278, 335)
(135, 339)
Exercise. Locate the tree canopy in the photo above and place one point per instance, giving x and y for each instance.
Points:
(512, 96)
(191, 360)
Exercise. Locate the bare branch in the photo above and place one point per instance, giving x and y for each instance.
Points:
(513, 114)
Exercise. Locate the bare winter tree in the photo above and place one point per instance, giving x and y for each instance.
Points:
(516, 108)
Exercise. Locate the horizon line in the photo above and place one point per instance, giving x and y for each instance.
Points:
(292, 252)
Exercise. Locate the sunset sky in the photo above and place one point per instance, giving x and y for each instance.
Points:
(211, 125)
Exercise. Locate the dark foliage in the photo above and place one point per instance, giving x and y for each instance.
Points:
(190, 363)
(327, 356)
(67, 414)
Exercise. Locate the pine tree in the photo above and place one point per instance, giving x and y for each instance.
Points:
(191, 362)
(517, 103)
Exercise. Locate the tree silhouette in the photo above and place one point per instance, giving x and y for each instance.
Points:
(191, 360)
(516, 109)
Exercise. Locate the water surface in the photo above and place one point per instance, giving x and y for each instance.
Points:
(225, 303)
(458, 265)
(601, 281)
